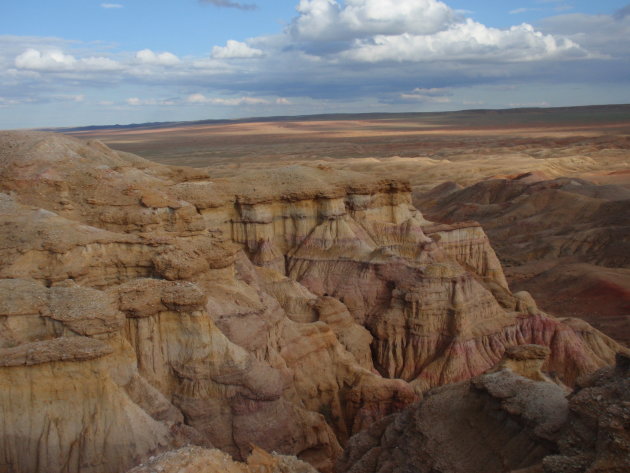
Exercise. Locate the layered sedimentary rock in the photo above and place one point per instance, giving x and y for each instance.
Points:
(512, 419)
(288, 310)
(564, 240)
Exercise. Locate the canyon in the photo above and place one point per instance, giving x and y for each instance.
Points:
(549, 185)
(155, 315)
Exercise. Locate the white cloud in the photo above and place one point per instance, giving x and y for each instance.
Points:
(425, 98)
(146, 56)
(372, 31)
(326, 20)
(197, 98)
(56, 61)
(235, 49)
(99, 64)
(52, 61)
(232, 102)
(467, 40)
(136, 102)
(430, 95)
(111, 5)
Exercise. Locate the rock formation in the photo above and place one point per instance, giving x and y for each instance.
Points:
(596, 437)
(499, 421)
(564, 240)
(511, 419)
(201, 460)
(146, 307)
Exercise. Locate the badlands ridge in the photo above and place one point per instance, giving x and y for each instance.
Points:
(145, 308)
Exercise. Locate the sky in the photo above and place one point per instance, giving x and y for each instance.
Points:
(93, 62)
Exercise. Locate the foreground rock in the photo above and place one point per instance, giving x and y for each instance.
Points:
(597, 436)
(510, 419)
(201, 460)
(145, 308)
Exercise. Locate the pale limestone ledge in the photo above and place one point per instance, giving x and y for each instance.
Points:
(287, 223)
(272, 229)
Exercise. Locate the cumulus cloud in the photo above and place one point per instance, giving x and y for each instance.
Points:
(56, 60)
(230, 4)
(52, 60)
(467, 40)
(146, 56)
(373, 31)
(326, 20)
(235, 49)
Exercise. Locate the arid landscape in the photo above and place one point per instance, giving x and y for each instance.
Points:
(347, 294)
(551, 187)
(315, 236)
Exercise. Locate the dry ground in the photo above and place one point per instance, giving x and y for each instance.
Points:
(424, 148)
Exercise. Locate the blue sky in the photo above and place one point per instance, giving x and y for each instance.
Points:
(82, 62)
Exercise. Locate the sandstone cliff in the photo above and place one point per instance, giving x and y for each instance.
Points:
(146, 307)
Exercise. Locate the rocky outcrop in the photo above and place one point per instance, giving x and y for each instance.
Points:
(499, 421)
(513, 418)
(200, 460)
(597, 436)
(288, 310)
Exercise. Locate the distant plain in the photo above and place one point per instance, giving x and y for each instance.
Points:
(425, 148)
